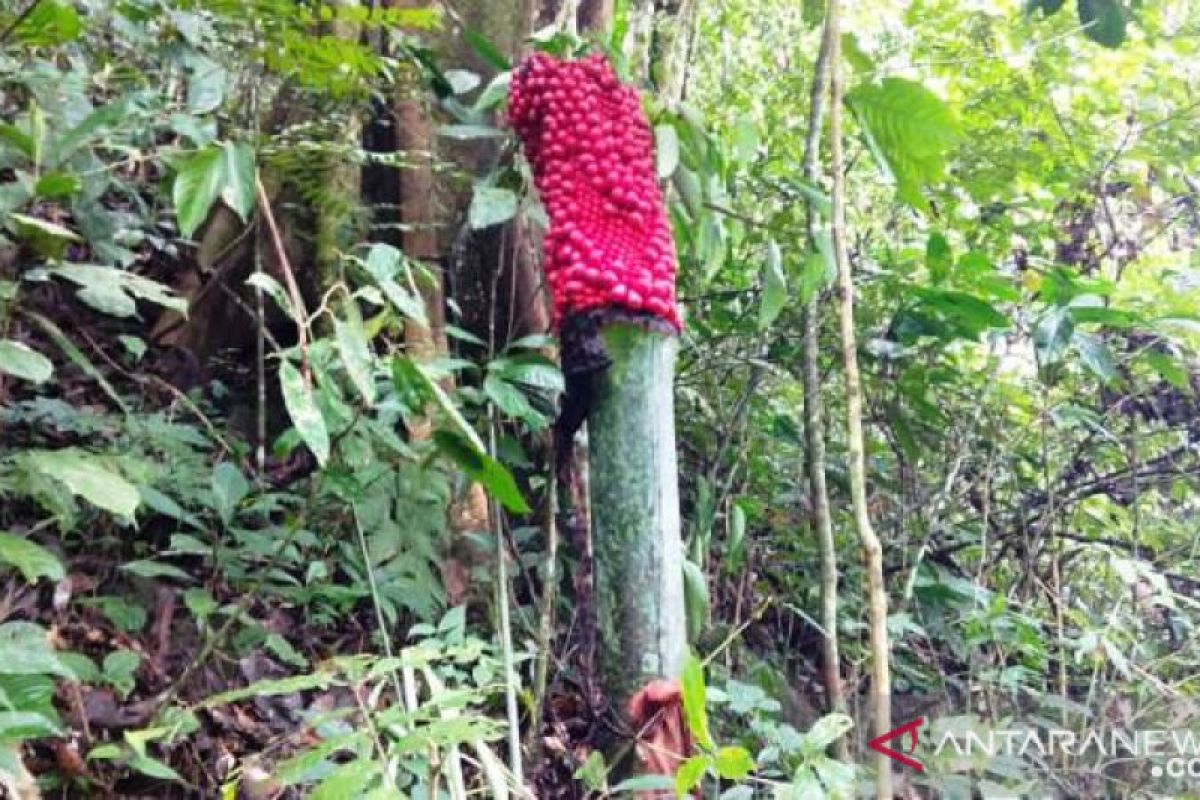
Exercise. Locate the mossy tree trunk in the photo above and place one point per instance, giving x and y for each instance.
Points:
(635, 512)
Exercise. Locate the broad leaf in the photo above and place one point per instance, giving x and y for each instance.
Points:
(90, 477)
(301, 404)
(29, 558)
(911, 129)
(229, 488)
(115, 291)
(774, 293)
(481, 467)
(733, 763)
(238, 178)
(1103, 21)
(22, 361)
(198, 184)
(694, 710)
(355, 352)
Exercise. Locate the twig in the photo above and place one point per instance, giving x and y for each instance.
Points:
(301, 316)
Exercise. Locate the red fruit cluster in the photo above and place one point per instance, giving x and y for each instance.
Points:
(591, 148)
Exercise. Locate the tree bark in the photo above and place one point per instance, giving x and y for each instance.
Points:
(872, 549)
(635, 512)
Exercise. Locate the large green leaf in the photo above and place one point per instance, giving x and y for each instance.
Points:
(22, 361)
(27, 651)
(89, 477)
(51, 22)
(238, 178)
(910, 130)
(198, 184)
(1103, 21)
(301, 404)
(774, 292)
(696, 598)
(355, 352)
(31, 559)
(115, 291)
(694, 700)
(481, 467)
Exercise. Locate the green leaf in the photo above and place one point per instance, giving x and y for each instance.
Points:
(491, 205)
(825, 731)
(27, 651)
(690, 773)
(938, 257)
(530, 369)
(115, 291)
(733, 763)
(45, 238)
(119, 668)
(855, 56)
(263, 281)
(645, 783)
(593, 772)
(1095, 356)
(301, 404)
(16, 726)
(31, 559)
(1103, 21)
(814, 278)
(198, 184)
(348, 780)
(238, 178)
(1053, 334)
(488, 51)
(666, 150)
(206, 85)
(696, 598)
(745, 140)
(56, 186)
(22, 361)
(148, 568)
(774, 287)
(50, 23)
(511, 401)
(1168, 369)
(355, 351)
(229, 488)
(910, 129)
(90, 477)
(103, 118)
(481, 467)
(694, 711)
(272, 688)
(968, 312)
(384, 262)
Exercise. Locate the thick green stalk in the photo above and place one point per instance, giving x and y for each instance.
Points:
(635, 512)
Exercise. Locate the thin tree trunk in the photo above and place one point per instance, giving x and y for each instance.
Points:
(814, 423)
(872, 549)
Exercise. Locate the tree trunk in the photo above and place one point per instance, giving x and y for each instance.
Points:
(635, 512)
(872, 549)
(814, 413)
